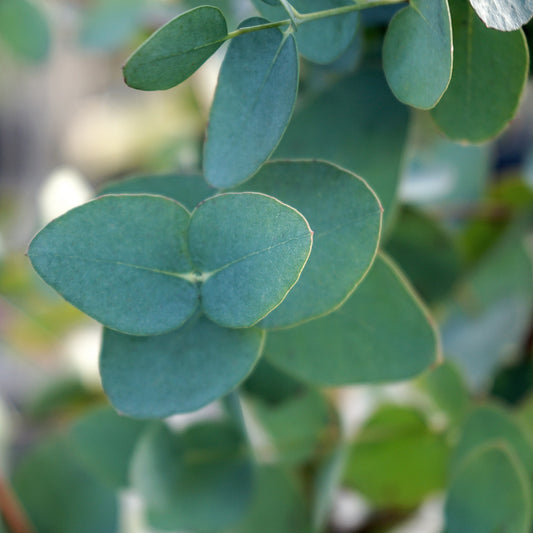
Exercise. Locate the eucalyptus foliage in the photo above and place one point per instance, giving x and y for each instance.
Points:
(277, 270)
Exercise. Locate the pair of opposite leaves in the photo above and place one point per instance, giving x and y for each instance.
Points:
(141, 264)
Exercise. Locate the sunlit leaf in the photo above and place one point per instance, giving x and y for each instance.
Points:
(504, 15)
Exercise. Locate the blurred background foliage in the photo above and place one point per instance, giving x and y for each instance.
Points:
(353, 459)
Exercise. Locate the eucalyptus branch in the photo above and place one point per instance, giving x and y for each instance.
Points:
(297, 18)
(11, 510)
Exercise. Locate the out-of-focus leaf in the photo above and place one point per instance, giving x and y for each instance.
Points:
(396, 459)
(104, 442)
(23, 27)
(198, 480)
(277, 505)
(426, 253)
(490, 314)
(297, 427)
(489, 493)
(109, 24)
(448, 390)
(60, 496)
(490, 423)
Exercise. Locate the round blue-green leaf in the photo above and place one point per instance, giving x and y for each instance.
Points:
(503, 15)
(345, 215)
(201, 479)
(349, 124)
(336, 33)
(188, 190)
(489, 493)
(176, 50)
(253, 103)
(489, 74)
(417, 52)
(251, 250)
(154, 377)
(59, 495)
(122, 260)
(381, 333)
(23, 27)
(103, 442)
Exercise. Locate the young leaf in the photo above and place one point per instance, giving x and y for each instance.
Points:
(154, 377)
(357, 118)
(417, 52)
(176, 50)
(250, 249)
(489, 493)
(121, 260)
(253, 102)
(24, 29)
(188, 190)
(489, 73)
(60, 496)
(336, 33)
(381, 333)
(180, 476)
(395, 441)
(503, 15)
(103, 442)
(345, 215)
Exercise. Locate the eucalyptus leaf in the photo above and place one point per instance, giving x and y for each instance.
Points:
(336, 33)
(489, 74)
(24, 28)
(176, 50)
(60, 496)
(489, 423)
(394, 442)
(181, 476)
(417, 52)
(121, 260)
(189, 189)
(489, 493)
(489, 316)
(250, 249)
(381, 333)
(357, 118)
(345, 216)
(295, 443)
(277, 505)
(109, 24)
(103, 442)
(503, 15)
(154, 377)
(250, 112)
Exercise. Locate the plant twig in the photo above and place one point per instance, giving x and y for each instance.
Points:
(11, 511)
